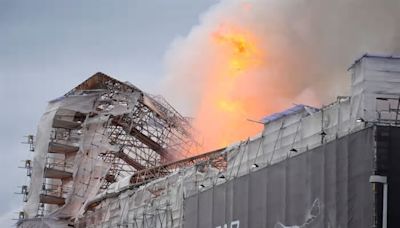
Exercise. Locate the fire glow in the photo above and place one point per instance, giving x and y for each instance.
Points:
(225, 107)
(248, 59)
(241, 54)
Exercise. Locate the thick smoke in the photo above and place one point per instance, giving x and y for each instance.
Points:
(303, 48)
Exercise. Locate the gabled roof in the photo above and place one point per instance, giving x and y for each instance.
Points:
(99, 81)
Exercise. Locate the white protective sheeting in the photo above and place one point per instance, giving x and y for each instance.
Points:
(374, 98)
(290, 135)
(87, 168)
(39, 159)
(375, 77)
(154, 205)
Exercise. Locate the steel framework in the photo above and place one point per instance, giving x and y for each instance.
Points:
(216, 159)
(147, 131)
(152, 134)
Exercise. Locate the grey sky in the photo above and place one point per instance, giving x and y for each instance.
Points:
(48, 47)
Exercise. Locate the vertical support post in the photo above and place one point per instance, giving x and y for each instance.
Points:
(385, 205)
(382, 180)
(397, 111)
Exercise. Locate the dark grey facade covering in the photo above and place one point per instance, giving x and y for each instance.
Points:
(325, 187)
(388, 164)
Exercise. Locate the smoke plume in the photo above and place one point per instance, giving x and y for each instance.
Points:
(247, 59)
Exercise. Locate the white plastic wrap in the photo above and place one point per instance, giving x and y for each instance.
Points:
(375, 77)
(159, 203)
(290, 135)
(87, 167)
(39, 159)
(154, 205)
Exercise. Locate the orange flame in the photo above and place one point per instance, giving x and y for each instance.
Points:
(225, 107)
(239, 49)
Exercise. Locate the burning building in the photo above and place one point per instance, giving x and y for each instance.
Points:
(109, 155)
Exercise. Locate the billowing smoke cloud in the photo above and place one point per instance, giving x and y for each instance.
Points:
(250, 58)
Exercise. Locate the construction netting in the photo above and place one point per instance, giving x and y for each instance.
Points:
(153, 205)
(308, 168)
(91, 141)
(324, 187)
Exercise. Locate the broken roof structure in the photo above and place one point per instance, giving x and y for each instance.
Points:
(116, 158)
(99, 133)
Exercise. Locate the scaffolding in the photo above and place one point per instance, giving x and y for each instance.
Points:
(216, 159)
(154, 197)
(98, 133)
(109, 155)
(153, 133)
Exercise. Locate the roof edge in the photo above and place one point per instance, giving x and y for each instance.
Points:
(366, 55)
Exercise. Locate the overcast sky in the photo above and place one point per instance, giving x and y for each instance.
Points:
(48, 47)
